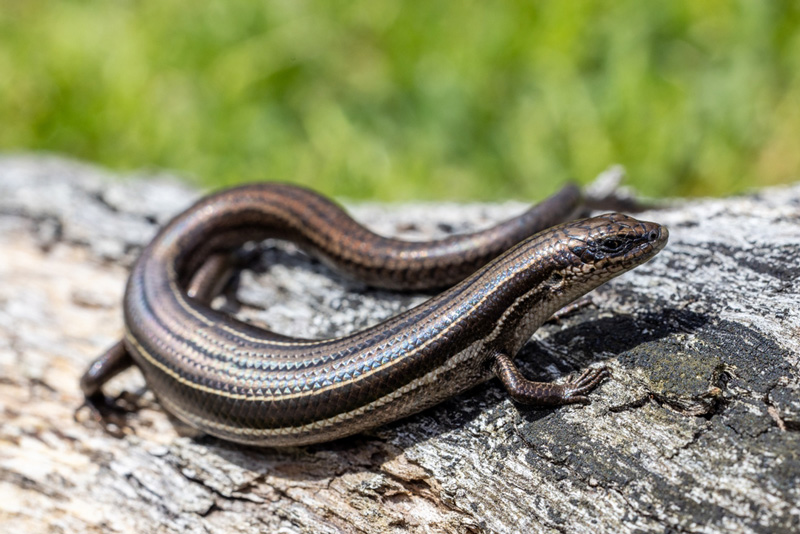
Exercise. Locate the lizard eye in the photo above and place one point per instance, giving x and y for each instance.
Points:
(612, 245)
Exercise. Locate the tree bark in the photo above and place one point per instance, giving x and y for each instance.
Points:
(698, 431)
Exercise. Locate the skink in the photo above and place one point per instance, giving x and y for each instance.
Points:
(249, 385)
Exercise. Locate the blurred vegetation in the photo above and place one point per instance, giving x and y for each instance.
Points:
(399, 100)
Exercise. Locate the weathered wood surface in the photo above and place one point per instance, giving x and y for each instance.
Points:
(699, 431)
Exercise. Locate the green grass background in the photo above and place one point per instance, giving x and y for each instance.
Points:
(411, 100)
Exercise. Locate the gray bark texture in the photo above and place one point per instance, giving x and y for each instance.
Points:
(697, 431)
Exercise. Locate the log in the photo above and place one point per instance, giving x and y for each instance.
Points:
(698, 431)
